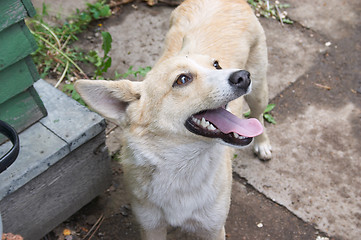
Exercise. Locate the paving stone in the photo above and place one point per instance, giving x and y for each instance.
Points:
(67, 126)
(332, 18)
(68, 119)
(60, 8)
(39, 149)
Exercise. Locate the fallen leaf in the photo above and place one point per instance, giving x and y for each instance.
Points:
(66, 232)
(152, 2)
(10, 236)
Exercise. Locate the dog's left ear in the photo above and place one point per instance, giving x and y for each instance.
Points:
(109, 98)
(186, 45)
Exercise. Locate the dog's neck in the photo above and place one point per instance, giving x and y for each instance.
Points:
(176, 153)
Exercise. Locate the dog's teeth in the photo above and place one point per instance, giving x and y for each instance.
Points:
(211, 127)
(197, 121)
(239, 136)
(204, 123)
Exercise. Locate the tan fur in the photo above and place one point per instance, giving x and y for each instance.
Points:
(176, 177)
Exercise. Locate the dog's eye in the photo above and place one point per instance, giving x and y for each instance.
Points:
(182, 80)
(216, 65)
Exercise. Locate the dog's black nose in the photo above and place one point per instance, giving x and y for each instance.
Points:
(240, 79)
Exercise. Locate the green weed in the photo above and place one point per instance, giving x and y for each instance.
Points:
(58, 58)
(70, 90)
(136, 73)
(116, 157)
(55, 49)
(101, 63)
(266, 9)
(266, 114)
(98, 10)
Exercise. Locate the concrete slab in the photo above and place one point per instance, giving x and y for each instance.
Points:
(138, 35)
(316, 164)
(291, 52)
(314, 171)
(69, 123)
(67, 126)
(59, 8)
(28, 165)
(332, 18)
(57, 193)
(66, 147)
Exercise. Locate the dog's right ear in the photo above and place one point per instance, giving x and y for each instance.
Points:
(109, 98)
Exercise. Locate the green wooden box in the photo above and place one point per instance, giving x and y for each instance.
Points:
(16, 42)
(20, 104)
(13, 11)
(23, 109)
(17, 78)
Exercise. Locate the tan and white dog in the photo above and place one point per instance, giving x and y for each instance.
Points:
(177, 167)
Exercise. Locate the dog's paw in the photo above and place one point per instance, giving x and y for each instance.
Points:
(263, 150)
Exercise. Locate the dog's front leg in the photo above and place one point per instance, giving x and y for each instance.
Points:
(154, 234)
(257, 102)
(214, 235)
(149, 217)
(222, 234)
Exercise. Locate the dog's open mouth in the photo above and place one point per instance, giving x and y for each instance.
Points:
(219, 123)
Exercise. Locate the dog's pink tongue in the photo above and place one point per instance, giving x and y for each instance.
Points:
(226, 122)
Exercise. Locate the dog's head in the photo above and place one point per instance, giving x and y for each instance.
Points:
(183, 96)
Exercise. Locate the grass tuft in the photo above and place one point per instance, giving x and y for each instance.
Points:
(271, 10)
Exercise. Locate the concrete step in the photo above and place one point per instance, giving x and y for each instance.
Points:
(62, 165)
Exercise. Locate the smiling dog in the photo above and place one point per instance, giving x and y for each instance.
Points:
(176, 165)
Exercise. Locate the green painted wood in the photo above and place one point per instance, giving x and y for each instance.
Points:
(17, 78)
(29, 7)
(11, 11)
(20, 105)
(16, 43)
(22, 110)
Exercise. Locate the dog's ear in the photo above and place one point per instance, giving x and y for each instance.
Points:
(109, 98)
(186, 45)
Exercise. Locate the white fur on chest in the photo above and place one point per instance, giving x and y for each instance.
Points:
(178, 184)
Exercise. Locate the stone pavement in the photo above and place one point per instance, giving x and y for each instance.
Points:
(315, 171)
(313, 181)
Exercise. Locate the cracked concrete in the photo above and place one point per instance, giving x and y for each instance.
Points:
(316, 163)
